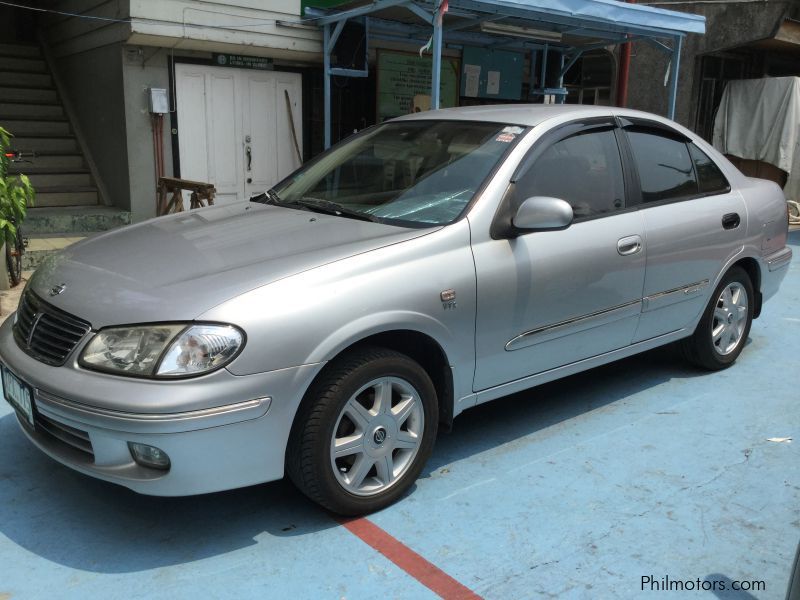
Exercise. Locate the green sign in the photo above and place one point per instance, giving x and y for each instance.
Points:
(244, 62)
(402, 76)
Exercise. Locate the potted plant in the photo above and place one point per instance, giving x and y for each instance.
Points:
(16, 195)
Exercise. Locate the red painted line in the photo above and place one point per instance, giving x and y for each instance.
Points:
(412, 563)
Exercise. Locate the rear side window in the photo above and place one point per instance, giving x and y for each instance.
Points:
(709, 178)
(585, 170)
(666, 171)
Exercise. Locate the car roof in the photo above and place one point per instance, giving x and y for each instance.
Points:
(527, 114)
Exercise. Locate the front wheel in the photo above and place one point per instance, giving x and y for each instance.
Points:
(723, 329)
(363, 432)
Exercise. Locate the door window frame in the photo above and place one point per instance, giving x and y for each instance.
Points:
(502, 226)
(661, 130)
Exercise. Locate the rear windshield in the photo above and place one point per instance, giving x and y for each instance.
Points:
(410, 172)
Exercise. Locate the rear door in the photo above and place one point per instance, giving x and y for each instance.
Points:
(694, 224)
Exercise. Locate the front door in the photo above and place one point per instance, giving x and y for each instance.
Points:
(235, 127)
(550, 298)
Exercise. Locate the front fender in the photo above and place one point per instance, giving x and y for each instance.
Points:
(310, 317)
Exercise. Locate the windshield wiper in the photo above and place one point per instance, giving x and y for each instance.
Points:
(268, 197)
(333, 208)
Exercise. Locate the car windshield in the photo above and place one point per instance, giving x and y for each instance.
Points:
(412, 173)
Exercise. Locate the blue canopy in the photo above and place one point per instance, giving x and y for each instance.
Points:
(568, 27)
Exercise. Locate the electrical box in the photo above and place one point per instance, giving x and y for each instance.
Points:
(159, 104)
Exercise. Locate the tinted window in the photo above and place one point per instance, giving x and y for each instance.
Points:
(585, 170)
(422, 172)
(665, 168)
(709, 177)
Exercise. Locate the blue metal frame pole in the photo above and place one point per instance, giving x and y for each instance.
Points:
(561, 98)
(543, 76)
(326, 68)
(436, 67)
(673, 84)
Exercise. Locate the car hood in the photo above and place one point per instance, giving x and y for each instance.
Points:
(177, 267)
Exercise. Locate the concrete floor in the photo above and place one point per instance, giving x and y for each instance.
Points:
(577, 489)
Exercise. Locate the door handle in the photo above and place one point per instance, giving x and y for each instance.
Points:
(629, 245)
(731, 221)
(249, 154)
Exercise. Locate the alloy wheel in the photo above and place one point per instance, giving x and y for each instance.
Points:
(377, 435)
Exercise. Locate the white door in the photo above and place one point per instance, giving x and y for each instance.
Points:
(234, 127)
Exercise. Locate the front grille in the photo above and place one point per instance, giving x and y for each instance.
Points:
(64, 433)
(45, 332)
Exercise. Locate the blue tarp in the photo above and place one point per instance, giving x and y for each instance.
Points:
(621, 14)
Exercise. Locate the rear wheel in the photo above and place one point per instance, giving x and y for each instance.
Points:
(723, 329)
(363, 432)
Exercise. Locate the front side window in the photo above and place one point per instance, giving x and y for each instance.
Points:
(584, 169)
(666, 171)
(414, 173)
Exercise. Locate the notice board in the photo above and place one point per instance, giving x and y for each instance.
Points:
(495, 74)
(403, 75)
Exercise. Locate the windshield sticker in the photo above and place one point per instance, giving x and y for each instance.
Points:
(513, 129)
(505, 137)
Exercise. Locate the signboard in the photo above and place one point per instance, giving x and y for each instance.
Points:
(489, 73)
(243, 62)
(403, 75)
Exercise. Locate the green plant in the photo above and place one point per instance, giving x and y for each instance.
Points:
(16, 192)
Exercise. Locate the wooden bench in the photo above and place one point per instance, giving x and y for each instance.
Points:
(170, 194)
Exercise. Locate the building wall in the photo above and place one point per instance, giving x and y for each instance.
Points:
(108, 67)
(255, 27)
(144, 68)
(93, 85)
(727, 26)
(88, 64)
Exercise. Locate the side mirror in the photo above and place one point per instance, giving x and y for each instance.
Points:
(543, 213)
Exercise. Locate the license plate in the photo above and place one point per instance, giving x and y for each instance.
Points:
(18, 394)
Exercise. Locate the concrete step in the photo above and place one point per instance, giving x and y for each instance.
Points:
(46, 145)
(48, 163)
(25, 50)
(40, 246)
(66, 196)
(23, 128)
(17, 79)
(74, 221)
(23, 94)
(28, 110)
(44, 180)
(28, 64)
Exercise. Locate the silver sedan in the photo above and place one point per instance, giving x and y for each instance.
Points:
(327, 328)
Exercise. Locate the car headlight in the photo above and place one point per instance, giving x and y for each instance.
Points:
(164, 351)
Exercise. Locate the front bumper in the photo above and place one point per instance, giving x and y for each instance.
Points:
(220, 431)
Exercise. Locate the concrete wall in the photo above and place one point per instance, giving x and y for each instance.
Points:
(143, 68)
(93, 82)
(727, 26)
(254, 27)
(88, 63)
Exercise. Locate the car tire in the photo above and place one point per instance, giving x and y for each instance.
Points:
(363, 432)
(723, 329)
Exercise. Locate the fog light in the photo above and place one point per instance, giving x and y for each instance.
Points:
(149, 456)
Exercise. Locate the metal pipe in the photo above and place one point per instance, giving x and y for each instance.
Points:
(624, 71)
(436, 67)
(675, 72)
(326, 85)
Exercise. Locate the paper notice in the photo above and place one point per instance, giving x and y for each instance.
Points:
(493, 83)
(472, 74)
